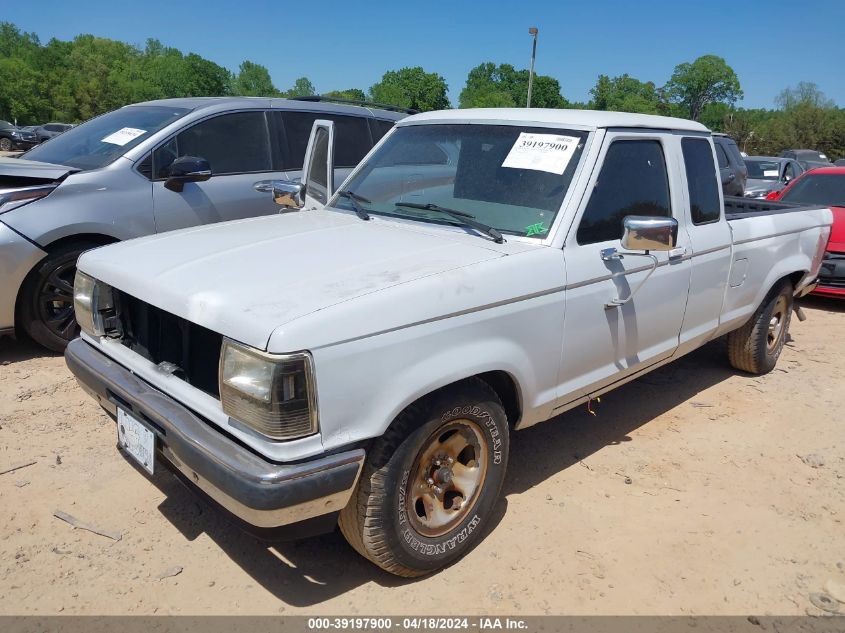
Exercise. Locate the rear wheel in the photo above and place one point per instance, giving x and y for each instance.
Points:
(46, 300)
(430, 483)
(756, 346)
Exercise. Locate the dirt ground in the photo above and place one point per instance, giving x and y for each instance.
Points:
(694, 490)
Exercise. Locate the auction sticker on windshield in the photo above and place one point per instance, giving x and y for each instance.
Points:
(541, 152)
(123, 135)
(136, 439)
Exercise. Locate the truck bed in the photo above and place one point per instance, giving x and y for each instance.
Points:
(737, 208)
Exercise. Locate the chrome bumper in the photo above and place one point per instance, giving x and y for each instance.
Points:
(17, 257)
(260, 493)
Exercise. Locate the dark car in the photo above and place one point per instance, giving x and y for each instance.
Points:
(840, 162)
(731, 166)
(807, 158)
(49, 130)
(12, 137)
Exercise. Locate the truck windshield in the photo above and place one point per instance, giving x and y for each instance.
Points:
(512, 178)
(763, 169)
(822, 189)
(98, 142)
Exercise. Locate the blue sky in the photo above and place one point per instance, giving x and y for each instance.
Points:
(771, 44)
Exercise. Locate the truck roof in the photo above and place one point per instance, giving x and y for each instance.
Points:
(587, 119)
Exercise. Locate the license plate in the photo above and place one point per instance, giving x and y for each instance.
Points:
(136, 439)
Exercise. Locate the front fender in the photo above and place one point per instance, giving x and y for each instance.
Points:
(364, 384)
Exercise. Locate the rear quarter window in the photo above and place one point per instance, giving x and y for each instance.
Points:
(702, 183)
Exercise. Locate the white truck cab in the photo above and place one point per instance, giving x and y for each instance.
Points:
(365, 358)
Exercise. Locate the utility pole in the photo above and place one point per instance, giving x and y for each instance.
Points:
(532, 31)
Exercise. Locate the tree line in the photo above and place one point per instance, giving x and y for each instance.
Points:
(71, 81)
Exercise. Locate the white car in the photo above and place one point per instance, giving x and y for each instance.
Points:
(366, 359)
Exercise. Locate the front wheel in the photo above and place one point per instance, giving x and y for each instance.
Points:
(756, 346)
(46, 301)
(5, 144)
(430, 483)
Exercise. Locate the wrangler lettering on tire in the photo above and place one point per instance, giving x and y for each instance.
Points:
(431, 481)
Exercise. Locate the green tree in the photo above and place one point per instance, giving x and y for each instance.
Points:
(805, 93)
(625, 94)
(253, 80)
(490, 86)
(708, 79)
(356, 94)
(302, 87)
(411, 88)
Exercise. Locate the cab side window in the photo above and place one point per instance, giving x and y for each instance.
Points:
(632, 181)
(701, 180)
(234, 143)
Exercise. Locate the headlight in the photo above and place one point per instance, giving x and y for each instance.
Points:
(272, 394)
(18, 197)
(92, 304)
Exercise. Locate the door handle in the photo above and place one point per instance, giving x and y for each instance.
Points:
(677, 253)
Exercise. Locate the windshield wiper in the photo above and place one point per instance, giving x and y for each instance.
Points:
(464, 218)
(355, 199)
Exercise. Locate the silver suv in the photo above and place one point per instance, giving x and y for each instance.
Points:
(149, 168)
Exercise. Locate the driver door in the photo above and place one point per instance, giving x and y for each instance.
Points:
(603, 341)
(318, 169)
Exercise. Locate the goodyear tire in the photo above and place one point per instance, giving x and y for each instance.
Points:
(756, 346)
(430, 483)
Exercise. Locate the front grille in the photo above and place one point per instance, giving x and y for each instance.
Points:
(162, 337)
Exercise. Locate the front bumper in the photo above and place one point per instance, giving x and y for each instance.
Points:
(24, 143)
(17, 257)
(258, 492)
(832, 275)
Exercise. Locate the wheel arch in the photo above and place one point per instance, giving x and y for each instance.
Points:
(502, 383)
(94, 239)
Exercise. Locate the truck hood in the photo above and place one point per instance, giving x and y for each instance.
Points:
(244, 279)
(22, 172)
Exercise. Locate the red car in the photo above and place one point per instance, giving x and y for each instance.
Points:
(825, 185)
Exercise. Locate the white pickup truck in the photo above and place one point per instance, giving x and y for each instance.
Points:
(363, 361)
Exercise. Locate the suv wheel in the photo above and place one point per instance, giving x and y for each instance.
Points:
(6, 144)
(46, 301)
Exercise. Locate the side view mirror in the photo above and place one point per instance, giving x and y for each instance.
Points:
(287, 194)
(646, 233)
(186, 169)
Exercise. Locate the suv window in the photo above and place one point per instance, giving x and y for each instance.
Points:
(381, 127)
(789, 171)
(351, 133)
(632, 181)
(233, 143)
(722, 156)
(701, 180)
